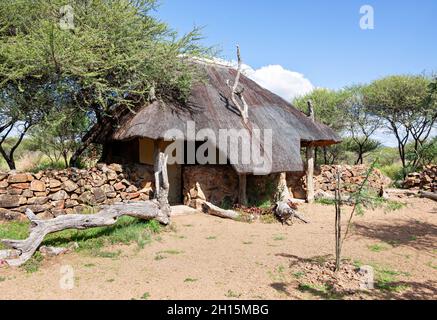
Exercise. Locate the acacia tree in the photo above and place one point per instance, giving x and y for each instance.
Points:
(408, 107)
(21, 107)
(361, 125)
(328, 109)
(112, 56)
(58, 134)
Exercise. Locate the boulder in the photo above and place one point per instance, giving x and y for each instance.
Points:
(60, 195)
(9, 201)
(21, 185)
(38, 200)
(53, 183)
(69, 186)
(18, 178)
(99, 195)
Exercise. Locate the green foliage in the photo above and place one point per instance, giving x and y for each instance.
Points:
(328, 106)
(425, 154)
(115, 57)
(408, 108)
(386, 280)
(58, 134)
(33, 264)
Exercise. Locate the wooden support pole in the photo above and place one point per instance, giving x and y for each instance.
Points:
(310, 160)
(242, 189)
(283, 194)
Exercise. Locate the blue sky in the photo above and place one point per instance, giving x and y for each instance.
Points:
(293, 46)
(320, 39)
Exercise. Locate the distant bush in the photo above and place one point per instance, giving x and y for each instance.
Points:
(394, 171)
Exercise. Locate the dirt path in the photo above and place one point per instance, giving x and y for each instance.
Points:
(207, 258)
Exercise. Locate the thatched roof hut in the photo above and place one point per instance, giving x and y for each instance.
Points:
(210, 106)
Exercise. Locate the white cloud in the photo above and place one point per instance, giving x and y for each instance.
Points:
(285, 83)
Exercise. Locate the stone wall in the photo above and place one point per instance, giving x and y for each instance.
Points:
(57, 192)
(425, 180)
(216, 183)
(352, 176)
(219, 185)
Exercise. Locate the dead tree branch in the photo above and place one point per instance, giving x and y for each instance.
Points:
(237, 90)
(158, 209)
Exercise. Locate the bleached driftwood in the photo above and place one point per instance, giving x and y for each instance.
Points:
(284, 213)
(428, 195)
(213, 210)
(158, 209)
(237, 91)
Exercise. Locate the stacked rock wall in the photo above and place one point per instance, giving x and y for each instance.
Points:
(351, 176)
(425, 180)
(56, 192)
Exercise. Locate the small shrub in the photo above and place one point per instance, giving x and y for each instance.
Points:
(33, 264)
(145, 296)
(232, 294)
(376, 248)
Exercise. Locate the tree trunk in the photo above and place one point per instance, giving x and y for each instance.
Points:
(211, 209)
(310, 174)
(338, 221)
(156, 209)
(428, 195)
(242, 192)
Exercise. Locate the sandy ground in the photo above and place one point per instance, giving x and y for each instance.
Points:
(204, 257)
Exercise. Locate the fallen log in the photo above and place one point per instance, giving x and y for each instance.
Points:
(284, 213)
(158, 209)
(213, 210)
(428, 195)
(321, 195)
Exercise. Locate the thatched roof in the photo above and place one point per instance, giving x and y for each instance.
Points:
(210, 107)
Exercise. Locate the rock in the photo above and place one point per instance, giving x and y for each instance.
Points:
(58, 204)
(111, 175)
(116, 167)
(9, 201)
(9, 254)
(60, 195)
(27, 193)
(44, 215)
(8, 215)
(71, 203)
(15, 192)
(99, 195)
(57, 212)
(52, 251)
(4, 184)
(37, 200)
(53, 183)
(40, 194)
(125, 182)
(37, 208)
(131, 189)
(69, 186)
(119, 186)
(22, 185)
(86, 198)
(18, 178)
(98, 182)
(38, 175)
